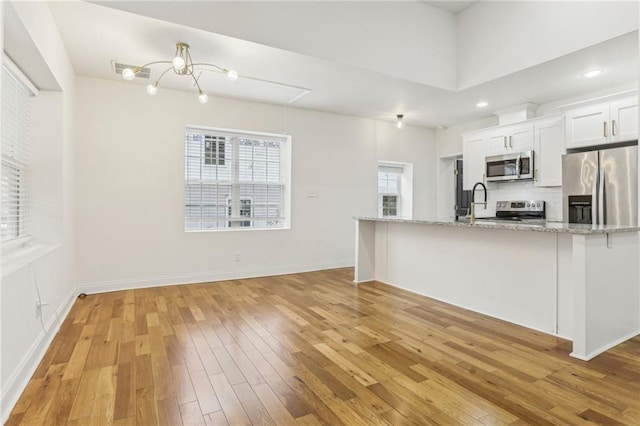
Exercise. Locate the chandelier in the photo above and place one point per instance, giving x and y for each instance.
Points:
(182, 65)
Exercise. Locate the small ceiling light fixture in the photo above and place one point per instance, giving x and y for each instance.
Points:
(592, 73)
(482, 104)
(399, 121)
(181, 64)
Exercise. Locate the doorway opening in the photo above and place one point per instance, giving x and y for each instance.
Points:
(462, 197)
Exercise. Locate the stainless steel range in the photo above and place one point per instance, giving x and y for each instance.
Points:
(519, 210)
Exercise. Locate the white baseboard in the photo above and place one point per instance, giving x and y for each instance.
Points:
(202, 277)
(17, 382)
(602, 349)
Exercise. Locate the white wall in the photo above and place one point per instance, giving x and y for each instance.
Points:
(49, 259)
(129, 186)
(497, 38)
(407, 146)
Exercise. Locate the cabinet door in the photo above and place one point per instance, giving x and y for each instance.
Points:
(497, 143)
(548, 151)
(473, 153)
(624, 120)
(520, 138)
(587, 126)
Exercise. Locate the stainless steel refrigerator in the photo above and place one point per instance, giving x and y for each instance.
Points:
(601, 187)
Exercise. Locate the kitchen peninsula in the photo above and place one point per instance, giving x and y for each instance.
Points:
(579, 282)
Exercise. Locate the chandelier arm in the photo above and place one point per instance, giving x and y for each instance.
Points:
(203, 64)
(195, 80)
(163, 73)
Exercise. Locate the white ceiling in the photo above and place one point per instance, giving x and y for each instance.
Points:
(452, 6)
(96, 35)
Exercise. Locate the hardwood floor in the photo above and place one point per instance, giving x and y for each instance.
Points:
(312, 349)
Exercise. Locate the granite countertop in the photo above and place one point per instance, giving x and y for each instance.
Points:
(536, 226)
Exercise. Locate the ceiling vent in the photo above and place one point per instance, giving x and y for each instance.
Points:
(143, 73)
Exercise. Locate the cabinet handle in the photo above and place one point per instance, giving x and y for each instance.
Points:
(505, 142)
(535, 175)
(510, 140)
(613, 127)
(605, 129)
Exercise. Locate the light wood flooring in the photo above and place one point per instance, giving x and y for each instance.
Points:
(310, 349)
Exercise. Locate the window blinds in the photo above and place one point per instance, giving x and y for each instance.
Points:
(233, 180)
(14, 222)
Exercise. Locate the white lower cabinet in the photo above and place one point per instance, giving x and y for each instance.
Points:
(548, 150)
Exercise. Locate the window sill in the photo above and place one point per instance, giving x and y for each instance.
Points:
(17, 256)
(238, 229)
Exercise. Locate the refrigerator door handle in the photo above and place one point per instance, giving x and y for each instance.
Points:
(602, 211)
(594, 199)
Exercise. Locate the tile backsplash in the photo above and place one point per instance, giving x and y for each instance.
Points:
(522, 191)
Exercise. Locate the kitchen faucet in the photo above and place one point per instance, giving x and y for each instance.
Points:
(472, 210)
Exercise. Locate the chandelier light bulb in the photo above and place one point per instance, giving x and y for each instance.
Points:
(128, 74)
(399, 121)
(152, 88)
(178, 63)
(232, 75)
(203, 98)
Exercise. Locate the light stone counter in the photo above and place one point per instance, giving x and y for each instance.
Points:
(537, 226)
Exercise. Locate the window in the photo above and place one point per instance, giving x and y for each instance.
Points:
(214, 150)
(235, 179)
(389, 205)
(389, 190)
(14, 220)
(245, 211)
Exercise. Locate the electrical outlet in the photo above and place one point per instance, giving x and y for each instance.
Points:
(236, 258)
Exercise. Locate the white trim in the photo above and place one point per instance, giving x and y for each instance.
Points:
(21, 256)
(17, 382)
(210, 276)
(605, 348)
(364, 281)
(238, 132)
(16, 71)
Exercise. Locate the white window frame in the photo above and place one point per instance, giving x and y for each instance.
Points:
(285, 180)
(22, 165)
(398, 170)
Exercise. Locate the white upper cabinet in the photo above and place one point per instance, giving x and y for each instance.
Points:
(548, 151)
(508, 139)
(474, 147)
(624, 120)
(602, 123)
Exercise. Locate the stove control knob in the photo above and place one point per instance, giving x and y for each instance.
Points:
(528, 204)
(537, 204)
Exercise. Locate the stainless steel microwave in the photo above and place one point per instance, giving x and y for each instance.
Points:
(509, 167)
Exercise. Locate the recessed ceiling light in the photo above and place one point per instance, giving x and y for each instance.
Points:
(482, 104)
(592, 73)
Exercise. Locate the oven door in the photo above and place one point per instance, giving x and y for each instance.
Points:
(509, 167)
